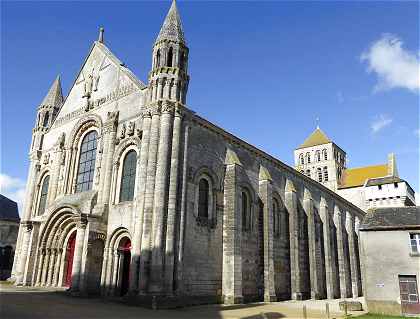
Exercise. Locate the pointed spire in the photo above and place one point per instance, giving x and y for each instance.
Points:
(54, 96)
(101, 35)
(172, 26)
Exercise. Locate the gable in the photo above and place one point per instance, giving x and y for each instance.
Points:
(103, 78)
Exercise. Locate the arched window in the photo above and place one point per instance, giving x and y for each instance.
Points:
(158, 58)
(203, 199)
(46, 118)
(308, 173)
(308, 158)
(170, 57)
(87, 159)
(301, 159)
(246, 211)
(43, 195)
(276, 217)
(318, 156)
(319, 174)
(325, 154)
(128, 176)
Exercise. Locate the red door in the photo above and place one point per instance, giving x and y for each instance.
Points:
(70, 254)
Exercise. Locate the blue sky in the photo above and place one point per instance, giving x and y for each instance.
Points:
(262, 70)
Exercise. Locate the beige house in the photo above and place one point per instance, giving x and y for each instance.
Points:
(390, 258)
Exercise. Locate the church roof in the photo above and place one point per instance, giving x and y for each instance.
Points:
(8, 209)
(172, 26)
(354, 177)
(318, 137)
(54, 96)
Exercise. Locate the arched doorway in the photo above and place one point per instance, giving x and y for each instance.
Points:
(125, 251)
(69, 259)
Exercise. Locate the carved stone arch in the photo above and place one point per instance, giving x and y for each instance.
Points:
(116, 236)
(119, 150)
(82, 126)
(205, 170)
(254, 203)
(56, 213)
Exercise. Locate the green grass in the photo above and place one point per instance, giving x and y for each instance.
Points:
(373, 316)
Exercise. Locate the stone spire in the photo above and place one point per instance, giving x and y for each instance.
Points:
(101, 35)
(54, 96)
(172, 26)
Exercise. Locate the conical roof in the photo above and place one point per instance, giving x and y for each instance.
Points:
(54, 96)
(318, 137)
(172, 26)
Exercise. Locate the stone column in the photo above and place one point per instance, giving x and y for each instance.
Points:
(45, 267)
(308, 206)
(357, 249)
(57, 267)
(115, 270)
(104, 272)
(266, 196)
(172, 202)
(353, 255)
(148, 201)
(78, 254)
(31, 184)
(30, 267)
(110, 131)
(179, 287)
(326, 220)
(51, 269)
(52, 192)
(232, 234)
(141, 182)
(26, 236)
(160, 197)
(41, 253)
(295, 267)
(338, 217)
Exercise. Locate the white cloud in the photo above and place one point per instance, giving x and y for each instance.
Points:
(380, 122)
(394, 66)
(13, 188)
(417, 132)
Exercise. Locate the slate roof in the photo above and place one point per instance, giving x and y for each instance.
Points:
(391, 218)
(318, 137)
(54, 96)
(172, 26)
(354, 177)
(8, 209)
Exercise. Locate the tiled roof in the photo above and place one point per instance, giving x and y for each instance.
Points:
(8, 209)
(172, 26)
(317, 137)
(54, 96)
(353, 177)
(391, 218)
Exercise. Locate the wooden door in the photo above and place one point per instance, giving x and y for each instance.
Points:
(409, 295)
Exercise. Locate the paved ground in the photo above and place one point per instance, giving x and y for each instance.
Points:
(34, 303)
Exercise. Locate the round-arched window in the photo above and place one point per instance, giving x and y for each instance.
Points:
(86, 170)
(128, 177)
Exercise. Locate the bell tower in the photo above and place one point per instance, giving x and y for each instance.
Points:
(168, 79)
(47, 111)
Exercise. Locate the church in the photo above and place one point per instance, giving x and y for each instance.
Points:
(130, 194)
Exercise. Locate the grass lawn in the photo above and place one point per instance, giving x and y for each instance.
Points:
(372, 316)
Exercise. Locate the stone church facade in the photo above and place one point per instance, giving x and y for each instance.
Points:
(130, 193)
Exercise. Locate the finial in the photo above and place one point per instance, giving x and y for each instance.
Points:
(101, 35)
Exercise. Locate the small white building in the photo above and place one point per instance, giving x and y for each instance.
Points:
(366, 187)
(389, 241)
